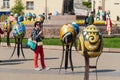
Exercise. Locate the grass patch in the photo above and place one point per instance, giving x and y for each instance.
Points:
(111, 42)
(108, 42)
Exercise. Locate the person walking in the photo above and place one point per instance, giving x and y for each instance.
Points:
(91, 18)
(37, 35)
(108, 25)
(98, 15)
(11, 18)
(87, 20)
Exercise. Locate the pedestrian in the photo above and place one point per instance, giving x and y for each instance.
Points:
(34, 16)
(108, 25)
(87, 20)
(21, 17)
(104, 15)
(91, 18)
(11, 18)
(98, 15)
(49, 16)
(37, 34)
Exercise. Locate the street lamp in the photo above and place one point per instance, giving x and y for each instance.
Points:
(46, 9)
(93, 4)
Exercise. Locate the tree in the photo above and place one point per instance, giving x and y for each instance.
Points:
(18, 7)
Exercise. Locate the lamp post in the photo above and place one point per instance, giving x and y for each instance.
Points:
(93, 4)
(46, 9)
(103, 5)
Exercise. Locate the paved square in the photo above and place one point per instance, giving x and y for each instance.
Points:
(19, 69)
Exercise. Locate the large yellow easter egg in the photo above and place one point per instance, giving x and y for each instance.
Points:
(67, 33)
(91, 40)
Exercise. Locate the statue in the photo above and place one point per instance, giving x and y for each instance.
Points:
(19, 31)
(41, 18)
(90, 40)
(68, 35)
(7, 27)
(29, 17)
(90, 45)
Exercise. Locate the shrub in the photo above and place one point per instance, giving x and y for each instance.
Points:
(87, 4)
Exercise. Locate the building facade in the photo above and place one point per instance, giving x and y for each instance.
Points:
(50, 6)
(33, 6)
(44, 6)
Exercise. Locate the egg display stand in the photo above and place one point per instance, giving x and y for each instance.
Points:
(18, 46)
(8, 29)
(87, 66)
(8, 39)
(67, 55)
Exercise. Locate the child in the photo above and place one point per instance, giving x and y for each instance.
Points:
(109, 25)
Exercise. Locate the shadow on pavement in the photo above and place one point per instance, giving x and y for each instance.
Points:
(68, 67)
(104, 70)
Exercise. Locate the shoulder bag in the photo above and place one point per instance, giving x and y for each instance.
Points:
(31, 44)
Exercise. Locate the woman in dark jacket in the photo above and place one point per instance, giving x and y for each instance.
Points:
(37, 36)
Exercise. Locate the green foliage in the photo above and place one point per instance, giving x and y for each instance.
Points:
(51, 41)
(112, 42)
(87, 4)
(18, 7)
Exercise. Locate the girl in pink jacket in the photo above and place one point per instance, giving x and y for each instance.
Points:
(109, 25)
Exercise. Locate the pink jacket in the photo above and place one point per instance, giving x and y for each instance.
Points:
(108, 23)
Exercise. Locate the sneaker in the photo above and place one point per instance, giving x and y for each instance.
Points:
(46, 68)
(37, 69)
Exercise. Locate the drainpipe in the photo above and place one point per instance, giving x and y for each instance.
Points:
(46, 9)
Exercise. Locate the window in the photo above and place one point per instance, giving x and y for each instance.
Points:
(6, 3)
(29, 5)
(116, 3)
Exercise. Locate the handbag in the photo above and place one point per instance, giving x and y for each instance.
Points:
(31, 44)
(39, 43)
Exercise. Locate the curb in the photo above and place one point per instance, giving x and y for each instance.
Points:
(108, 50)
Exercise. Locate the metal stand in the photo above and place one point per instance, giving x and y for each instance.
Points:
(86, 75)
(87, 66)
(8, 39)
(18, 45)
(0, 39)
(67, 55)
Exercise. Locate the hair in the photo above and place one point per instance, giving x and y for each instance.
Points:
(37, 23)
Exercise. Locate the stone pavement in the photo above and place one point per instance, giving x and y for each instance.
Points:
(108, 67)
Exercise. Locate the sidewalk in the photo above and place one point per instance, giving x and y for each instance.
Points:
(20, 69)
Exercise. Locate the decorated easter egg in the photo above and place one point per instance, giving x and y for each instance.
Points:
(7, 26)
(19, 29)
(67, 34)
(76, 27)
(91, 40)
